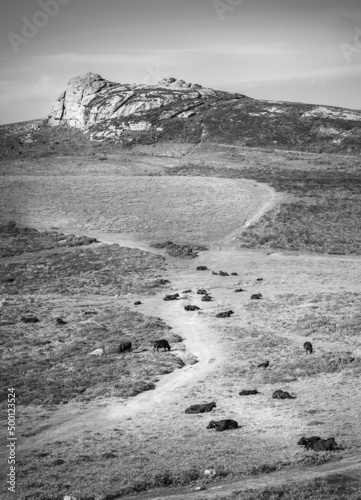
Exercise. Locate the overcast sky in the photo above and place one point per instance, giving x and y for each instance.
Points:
(271, 49)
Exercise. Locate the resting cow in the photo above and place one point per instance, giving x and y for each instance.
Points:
(234, 274)
(282, 395)
(202, 268)
(201, 408)
(249, 392)
(206, 298)
(191, 308)
(202, 291)
(308, 347)
(239, 290)
(308, 442)
(137, 303)
(213, 272)
(222, 425)
(222, 273)
(125, 346)
(264, 365)
(225, 314)
(171, 297)
(325, 445)
(256, 296)
(157, 344)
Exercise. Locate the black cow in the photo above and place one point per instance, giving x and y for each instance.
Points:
(282, 395)
(161, 343)
(206, 298)
(222, 273)
(234, 274)
(239, 290)
(214, 273)
(249, 392)
(60, 321)
(125, 346)
(187, 291)
(171, 297)
(201, 408)
(256, 296)
(222, 425)
(202, 268)
(225, 314)
(30, 319)
(264, 365)
(259, 279)
(161, 281)
(325, 445)
(308, 347)
(191, 308)
(308, 442)
(137, 303)
(202, 291)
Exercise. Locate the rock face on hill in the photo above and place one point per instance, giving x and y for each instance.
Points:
(89, 99)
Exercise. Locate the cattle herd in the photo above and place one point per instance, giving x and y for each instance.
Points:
(314, 443)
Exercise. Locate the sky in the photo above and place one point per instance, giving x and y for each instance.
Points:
(293, 50)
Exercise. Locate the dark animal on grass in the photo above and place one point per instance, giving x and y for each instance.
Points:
(213, 272)
(234, 274)
(171, 297)
(125, 346)
(308, 442)
(187, 291)
(222, 425)
(249, 392)
(29, 319)
(60, 321)
(191, 308)
(157, 344)
(202, 268)
(222, 273)
(325, 445)
(161, 281)
(239, 290)
(137, 303)
(282, 395)
(201, 408)
(256, 296)
(264, 365)
(206, 298)
(225, 314)
(308, 347)
(202, 291)
(259, 279)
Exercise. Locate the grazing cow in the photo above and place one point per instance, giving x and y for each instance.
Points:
(282, 395)
(187, 291)
(222, 273)
(308, 347)
(191, 308)
(171, 297)
(60, 321)
(202, 268)
(308, 442)
(224, 314)
(234, 274)
(202, 291)
(206, 298)
(264, 365)
(239, 290)
(256, 296)
(259, 279)
(222, 425)
(125, 346)
(137, 303)
(216, 274)
(249, 392)
(201, 408)
(325, 445)
(161, 343)
(29, 319)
